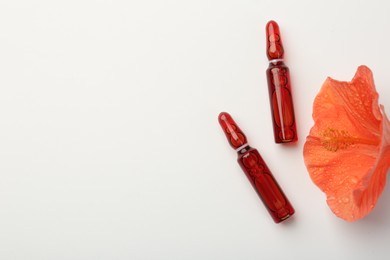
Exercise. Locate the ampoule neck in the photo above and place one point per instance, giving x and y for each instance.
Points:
(243, 149)
(276, 62)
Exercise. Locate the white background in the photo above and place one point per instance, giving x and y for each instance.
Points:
(110, 146)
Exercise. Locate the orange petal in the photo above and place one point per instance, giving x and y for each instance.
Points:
(347, 151)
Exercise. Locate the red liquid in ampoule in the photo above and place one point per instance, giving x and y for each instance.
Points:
(265, 185)
(257, 171)
(279, 88)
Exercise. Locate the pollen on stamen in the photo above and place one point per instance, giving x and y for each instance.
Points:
(334, 140)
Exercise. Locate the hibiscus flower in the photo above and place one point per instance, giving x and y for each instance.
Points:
(347, 151)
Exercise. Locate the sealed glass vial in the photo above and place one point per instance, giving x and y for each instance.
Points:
(257, 171)
(278, 77)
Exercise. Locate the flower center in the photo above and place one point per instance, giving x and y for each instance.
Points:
(334, 139)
